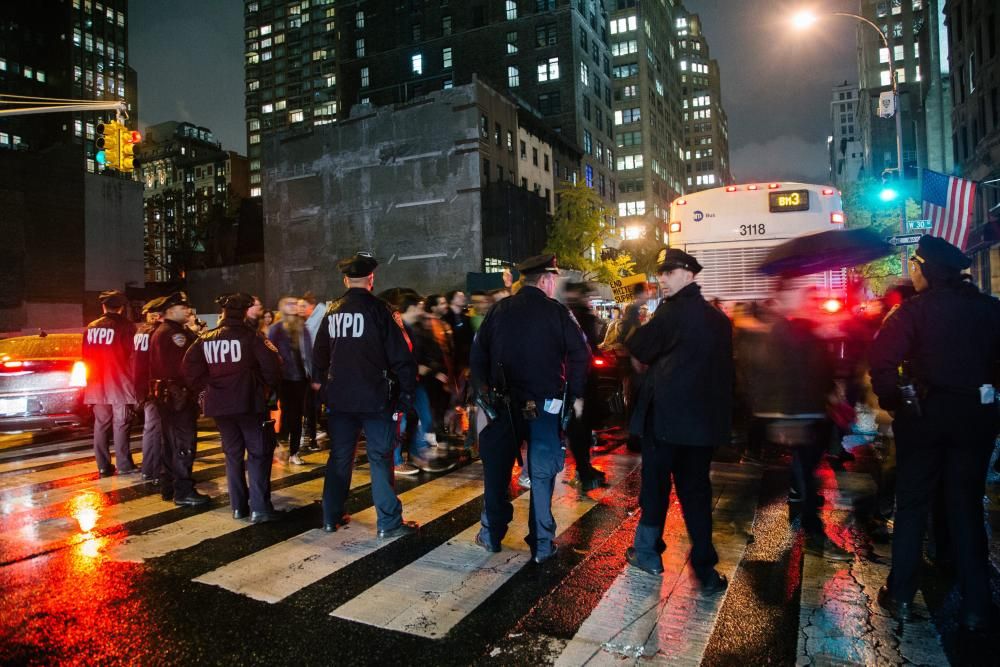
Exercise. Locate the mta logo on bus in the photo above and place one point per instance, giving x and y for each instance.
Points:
(698, 216)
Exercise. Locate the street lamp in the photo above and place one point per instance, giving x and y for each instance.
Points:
(805, 19)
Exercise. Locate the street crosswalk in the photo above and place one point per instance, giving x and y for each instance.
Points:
(443, 585)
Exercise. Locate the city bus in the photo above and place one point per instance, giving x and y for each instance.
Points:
(731, 229)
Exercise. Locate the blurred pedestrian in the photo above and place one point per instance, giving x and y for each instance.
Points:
(312, 311)
(255, 312)
(152, 428)
(266, 320)
(107, 352)
(292, 339)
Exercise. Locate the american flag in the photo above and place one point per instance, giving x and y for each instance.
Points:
(948, 203)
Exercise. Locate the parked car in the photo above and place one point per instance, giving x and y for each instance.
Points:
(42, 379)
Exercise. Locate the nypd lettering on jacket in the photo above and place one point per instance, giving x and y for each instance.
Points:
(347, 325)
(100, 336)
(141, 342)
(222, 351)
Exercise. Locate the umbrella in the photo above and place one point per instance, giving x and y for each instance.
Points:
(824, 251)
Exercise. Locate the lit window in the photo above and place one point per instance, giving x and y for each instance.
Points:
(448, 84)
(365, 82)
(267, 108)
(359, 19)
(319, 54)
(280, 104)
(359, 48)
(295, 116)
(331, 80)
(28, 72)
(511, 42)
(446, 57)
(265, 29)
(417, 63)
(40, 76)
(511, 6)
(513, 77)
(548, 70)
(584, 74)
(253, 84)
(255, 192)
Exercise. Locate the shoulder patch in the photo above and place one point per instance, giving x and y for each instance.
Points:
(892, 311)
(180, 340)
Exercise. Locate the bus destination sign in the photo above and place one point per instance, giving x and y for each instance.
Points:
(788, 200)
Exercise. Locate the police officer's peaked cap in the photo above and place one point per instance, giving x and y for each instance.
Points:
(539, 264)
(154, 305)
(112, 298)
(938, 252)
(175, 299)
(669, 259)
(237, 301)
(360, 265)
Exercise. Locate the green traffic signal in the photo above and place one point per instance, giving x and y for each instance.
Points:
(888, 194)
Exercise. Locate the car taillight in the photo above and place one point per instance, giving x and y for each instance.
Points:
(832, 305)
(12, 365)
(78, 376)
(675, 227)
(838, 218)
(600, 362)
(828, 191)
(773, 186)
(680, 202)
(753, 187)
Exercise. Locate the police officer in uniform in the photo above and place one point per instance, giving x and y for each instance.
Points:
(177, 403)
(531, 348)
(370, 379)
(947, 341)
(238, 367)
(152, 429)
(107, 352)
(684, 410)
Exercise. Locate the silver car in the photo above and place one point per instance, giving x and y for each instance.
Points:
(42, 379)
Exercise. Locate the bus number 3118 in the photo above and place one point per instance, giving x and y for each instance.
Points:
(752, 230)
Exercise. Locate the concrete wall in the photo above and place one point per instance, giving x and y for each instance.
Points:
(402, 182)
(113, 224)
(204, 286)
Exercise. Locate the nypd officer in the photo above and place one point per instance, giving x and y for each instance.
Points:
(238, 367)
(529, 347)
(107, 352)
(370, 378)
(152, 429)
(683, 411)
(947, 340)
(177, 403)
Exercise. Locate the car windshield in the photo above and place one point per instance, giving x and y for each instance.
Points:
(53, 346)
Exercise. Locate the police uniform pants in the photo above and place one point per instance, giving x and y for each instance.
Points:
(689, 467)
(948, 447)
(243, 436)
(152, 440)
(580, 432)
(112, 423)
(180, 441)
(380, 441)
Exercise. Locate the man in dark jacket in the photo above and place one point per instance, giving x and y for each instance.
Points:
(107, 351)
(370, 375)
(290, 336)
(237, 367)
(947, 340)
(152, 428)
(581, 429)
(684, 411)
(530, 347)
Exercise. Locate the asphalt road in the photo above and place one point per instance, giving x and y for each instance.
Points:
(101, 571)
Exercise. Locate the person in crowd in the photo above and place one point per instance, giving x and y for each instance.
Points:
(255, 312)
(311, 310)
(370, 379)
(683, 411)
(152, 428)
(292, 339)
(946, 340)
(480, 303)
(441, 397)
(530, 347)
(236, 367)
(265, 322)
(107, 352)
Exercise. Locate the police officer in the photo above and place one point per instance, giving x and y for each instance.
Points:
(530, 347)
(152, 429)
(947, 340)
(107, 352)
(684, 410)
(238, 367)
(177, 403)
(370, 379)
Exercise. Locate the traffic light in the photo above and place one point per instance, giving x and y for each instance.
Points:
(108, 143)
(128, 140)
(890, 185)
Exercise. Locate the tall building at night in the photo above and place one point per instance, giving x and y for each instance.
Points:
(193, 193)
(706, 128)
(846, 153)
(649, 128)
(309, 63)
(70, 49)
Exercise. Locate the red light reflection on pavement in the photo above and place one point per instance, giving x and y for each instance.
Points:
(86, 509)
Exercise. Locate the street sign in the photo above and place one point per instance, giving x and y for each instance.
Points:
(914, 225)
(903, 239)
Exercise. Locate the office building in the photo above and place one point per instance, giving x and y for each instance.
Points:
(846, 151)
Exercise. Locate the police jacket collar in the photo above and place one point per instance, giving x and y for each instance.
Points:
(357, 290)
(688, 291)
(233, 322)
(531, 289)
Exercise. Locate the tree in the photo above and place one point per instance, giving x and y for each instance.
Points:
(863, 208)
(577, 233)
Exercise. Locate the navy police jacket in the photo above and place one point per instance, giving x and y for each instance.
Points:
(236, 366)
(167, 346)
(360, 352)
(107, 351)
(140, 359)
(539, 343)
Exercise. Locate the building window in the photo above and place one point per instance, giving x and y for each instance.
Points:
(624, 24)
(534, 156)
(524, 150)
(511, 42)
(629, 162)
(588, 142)
(417, 63)
(624, 48)
(545, 5)
(267, 108)
(549, 103)
(497, 134)
(359, 19)
(584, 74)
(446, 57)
(589, 172)
(484, 127)
(513, 77)
(365, 81)
(548, 70)
(511, 7)
(545, 35)
(359, 48)
(546, 161)
(445, 25)
(625, 116)
(295, 116)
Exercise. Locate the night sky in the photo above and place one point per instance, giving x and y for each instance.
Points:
(775, 83)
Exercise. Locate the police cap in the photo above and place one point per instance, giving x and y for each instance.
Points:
(539, 264)
(175, 299)
(154, 305)
(669, 259)
(112, 298)
(941, 254)
(360, 265)
(237, 301)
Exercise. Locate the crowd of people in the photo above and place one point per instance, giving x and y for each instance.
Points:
(432, 379)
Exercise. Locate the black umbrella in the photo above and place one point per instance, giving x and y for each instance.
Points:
(824, 251)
